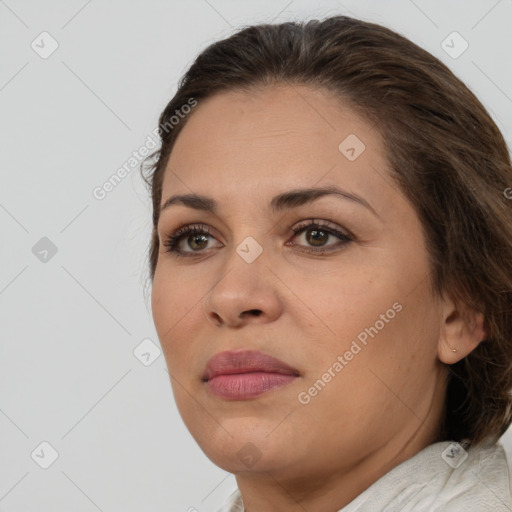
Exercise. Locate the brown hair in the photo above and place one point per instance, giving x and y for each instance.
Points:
(446, 154)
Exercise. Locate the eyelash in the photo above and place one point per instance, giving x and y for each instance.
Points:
(172, 241)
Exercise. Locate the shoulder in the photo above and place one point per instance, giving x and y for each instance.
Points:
(478, 480)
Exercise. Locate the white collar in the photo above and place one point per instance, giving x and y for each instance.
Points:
(442, 477)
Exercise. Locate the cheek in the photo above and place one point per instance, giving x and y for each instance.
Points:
(169, 311)
(172, 299)
(367, 320)
(346, 304)
(375, 378)
(161, 304)
(177, 309)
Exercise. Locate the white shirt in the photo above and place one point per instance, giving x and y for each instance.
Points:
(443, 477)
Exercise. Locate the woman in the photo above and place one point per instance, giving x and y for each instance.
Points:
(331, 267)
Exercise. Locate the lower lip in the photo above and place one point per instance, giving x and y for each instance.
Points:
(242, 386)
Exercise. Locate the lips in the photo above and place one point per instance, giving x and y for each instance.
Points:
(245, 361)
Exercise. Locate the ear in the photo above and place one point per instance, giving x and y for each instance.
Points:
(462, 328)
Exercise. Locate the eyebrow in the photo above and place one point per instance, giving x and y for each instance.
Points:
(284, 201)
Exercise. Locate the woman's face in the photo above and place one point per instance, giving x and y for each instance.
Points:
(354, 316)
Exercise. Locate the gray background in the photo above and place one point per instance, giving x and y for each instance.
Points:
(71, 321)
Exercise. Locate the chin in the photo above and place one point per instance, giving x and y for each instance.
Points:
(253, 450)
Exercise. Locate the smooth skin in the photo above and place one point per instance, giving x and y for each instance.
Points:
(242, 149)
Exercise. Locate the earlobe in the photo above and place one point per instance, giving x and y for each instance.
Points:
(461, 332)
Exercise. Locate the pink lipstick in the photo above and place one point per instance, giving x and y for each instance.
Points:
(244, 374)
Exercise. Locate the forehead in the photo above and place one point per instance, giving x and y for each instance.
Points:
(247, 144)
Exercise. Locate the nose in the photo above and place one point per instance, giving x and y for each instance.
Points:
(245, 293)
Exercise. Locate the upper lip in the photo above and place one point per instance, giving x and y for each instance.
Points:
(245, 361)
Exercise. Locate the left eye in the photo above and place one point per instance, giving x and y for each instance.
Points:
(316, 233)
